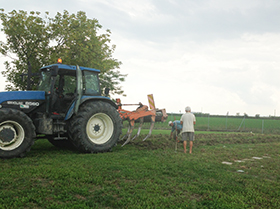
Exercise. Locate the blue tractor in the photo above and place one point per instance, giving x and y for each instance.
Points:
(68, 109)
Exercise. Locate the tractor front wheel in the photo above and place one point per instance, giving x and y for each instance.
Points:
(96, 127)
(17, 133)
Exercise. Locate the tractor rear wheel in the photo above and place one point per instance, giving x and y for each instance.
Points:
(17, 133)
(96, 127)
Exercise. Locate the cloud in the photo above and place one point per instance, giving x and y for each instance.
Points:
(213, 55)
(219, 75)
(160, 21)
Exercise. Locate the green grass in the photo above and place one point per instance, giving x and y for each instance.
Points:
(148, 174)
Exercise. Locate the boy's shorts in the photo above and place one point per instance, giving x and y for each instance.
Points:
(188, 135)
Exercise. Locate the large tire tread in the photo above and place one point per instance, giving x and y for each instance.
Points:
(77, 127)
(29, 129)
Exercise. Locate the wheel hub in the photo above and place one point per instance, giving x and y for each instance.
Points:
(96, 127)
(7, 135)
(99, 128)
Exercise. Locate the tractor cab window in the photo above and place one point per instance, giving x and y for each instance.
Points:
(45, 81)
(91, 83)
(64, 90)
(69, 84)
(66, 82)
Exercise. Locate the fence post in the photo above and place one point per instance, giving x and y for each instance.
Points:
(226, 123)
(262, 125)
(226, 119)
(241, 124)
(208, 123)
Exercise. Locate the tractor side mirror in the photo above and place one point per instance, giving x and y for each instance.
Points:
(54, 72)
(106, 91)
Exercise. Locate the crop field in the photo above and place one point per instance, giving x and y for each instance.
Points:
(231, 124)
(255, 125)
(226, 170)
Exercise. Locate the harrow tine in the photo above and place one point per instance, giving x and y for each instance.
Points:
(153, 120)
(139, 129)
(126, 135)
(150, 132)
(130, 129)
(127, 140)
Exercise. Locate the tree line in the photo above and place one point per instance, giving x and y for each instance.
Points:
(34, 40)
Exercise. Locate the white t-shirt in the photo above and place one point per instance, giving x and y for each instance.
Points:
(188, 120)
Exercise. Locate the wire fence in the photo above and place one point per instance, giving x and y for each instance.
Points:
(264, 125)
(236, 124)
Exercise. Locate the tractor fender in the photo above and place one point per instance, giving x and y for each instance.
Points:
(86, 99)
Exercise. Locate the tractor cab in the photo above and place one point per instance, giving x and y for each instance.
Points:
(65, 84)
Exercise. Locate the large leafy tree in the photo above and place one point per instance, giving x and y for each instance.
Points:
(28, 39)
(35, 41)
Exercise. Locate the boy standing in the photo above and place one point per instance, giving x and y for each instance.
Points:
(188, 121)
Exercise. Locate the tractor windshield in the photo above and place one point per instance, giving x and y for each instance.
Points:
(91, 83)
(45, 81)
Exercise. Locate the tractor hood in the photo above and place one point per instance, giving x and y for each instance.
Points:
(21, 95)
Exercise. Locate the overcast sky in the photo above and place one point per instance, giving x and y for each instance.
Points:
(215, 56)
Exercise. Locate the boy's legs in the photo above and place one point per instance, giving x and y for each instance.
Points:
(191, 138)
(185, 146)
(184, 139)
(191, 144)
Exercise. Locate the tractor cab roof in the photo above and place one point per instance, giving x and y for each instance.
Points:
(69, 67)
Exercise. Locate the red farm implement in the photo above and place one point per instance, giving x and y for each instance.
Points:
(141, 114)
